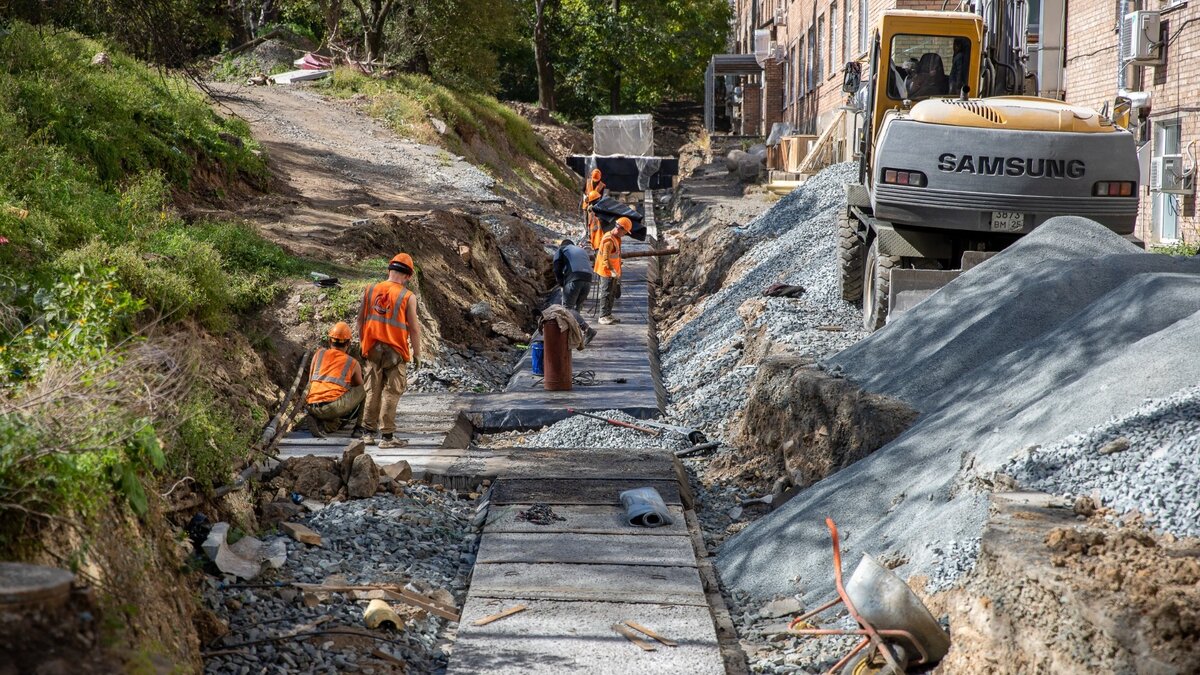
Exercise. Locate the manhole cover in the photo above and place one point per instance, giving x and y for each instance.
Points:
(22, 584)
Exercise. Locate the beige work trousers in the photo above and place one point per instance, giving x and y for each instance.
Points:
(384, 387)
(336, 412)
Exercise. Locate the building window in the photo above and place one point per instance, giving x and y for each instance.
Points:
(1164, 208)
(819, 51)
(847, 31)
(801, 73)
(812, 59)
(864, 27)
(833, 39)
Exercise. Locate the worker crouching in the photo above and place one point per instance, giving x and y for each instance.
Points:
(391, 339)
(335, 386)
(608, 267)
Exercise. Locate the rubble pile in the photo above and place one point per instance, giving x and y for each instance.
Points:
(1067, 329)
(795, 243)
(421, 538)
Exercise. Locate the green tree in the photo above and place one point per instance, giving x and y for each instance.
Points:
(633, 54)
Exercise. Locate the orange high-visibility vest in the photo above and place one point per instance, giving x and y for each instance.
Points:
(608, 256)
(384, 311)
(330, 375)
(595, 231)
(597, 186)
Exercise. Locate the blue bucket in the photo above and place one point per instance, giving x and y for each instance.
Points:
(536, 353)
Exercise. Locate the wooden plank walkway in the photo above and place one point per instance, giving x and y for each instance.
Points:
(581, 575)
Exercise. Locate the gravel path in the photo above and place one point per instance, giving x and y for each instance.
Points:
(1065, 330)
(585, 432)
(423, 536)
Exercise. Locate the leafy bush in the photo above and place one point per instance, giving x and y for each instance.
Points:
(1177, 248)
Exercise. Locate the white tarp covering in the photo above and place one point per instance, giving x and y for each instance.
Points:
(630, 135)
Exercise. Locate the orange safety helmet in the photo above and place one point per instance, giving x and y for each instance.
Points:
(595, 174)
(593, 196)
(340, 332)
(625, 224)
(403, 262)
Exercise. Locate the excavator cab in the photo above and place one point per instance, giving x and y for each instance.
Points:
(919, 55)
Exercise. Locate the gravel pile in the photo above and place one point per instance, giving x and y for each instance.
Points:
(464, 371)
(1147, 461)
(423, 537)
(1067, 329)
(796, 243)
(586, 432)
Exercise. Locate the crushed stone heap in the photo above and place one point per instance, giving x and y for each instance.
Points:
(1067, 329)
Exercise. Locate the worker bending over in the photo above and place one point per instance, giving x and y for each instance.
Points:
(573, 271)
(391, 338)
(335, 386)
(608, 266)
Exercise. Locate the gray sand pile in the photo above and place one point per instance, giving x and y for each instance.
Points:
(1067, 329)
(795, 243)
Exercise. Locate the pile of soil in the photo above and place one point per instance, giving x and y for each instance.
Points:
(802, 425)
(1052, 594)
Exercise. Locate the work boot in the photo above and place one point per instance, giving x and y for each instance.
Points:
(367, 436)
(609, 320)
(588, 336)
(389, 442)
(314, 426)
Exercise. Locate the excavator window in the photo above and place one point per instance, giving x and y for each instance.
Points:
(924, 66)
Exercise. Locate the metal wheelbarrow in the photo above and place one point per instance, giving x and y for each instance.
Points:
(892, 621)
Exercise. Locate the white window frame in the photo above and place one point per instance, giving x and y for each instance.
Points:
(1165, 207)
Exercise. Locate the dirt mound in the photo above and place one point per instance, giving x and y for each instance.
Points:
(802, 425)
(459, 264)
(1053, 595)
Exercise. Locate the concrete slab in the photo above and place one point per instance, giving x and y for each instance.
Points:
(558, 637)
(599, 549)
(526, 491)
(605, 583)
(583, 519)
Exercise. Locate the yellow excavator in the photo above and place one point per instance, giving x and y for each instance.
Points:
(956, 164)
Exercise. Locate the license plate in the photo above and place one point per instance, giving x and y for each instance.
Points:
(1007, 221)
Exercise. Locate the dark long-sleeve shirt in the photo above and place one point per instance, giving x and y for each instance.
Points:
(571, 262)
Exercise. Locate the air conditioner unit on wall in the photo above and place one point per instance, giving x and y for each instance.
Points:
(1141, 36)
(1167, 174)
(780, 16)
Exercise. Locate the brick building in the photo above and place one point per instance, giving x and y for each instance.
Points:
(1170, 124)
(803, 45)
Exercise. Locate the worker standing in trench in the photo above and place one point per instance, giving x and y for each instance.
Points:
(335, 386)
(595, 184)
(391, 339)
(573, 271)
(608, 266)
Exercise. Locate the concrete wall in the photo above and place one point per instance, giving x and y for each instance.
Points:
(1091, 80)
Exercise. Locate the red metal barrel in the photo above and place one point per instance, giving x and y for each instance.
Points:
(556, 361)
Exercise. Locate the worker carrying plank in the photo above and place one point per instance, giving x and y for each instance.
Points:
(573, 271)
(391, 339)
(608, 266)
(335, 386)
(594, 230)
(595, 184)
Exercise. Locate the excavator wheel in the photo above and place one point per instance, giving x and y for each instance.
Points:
(877, 281)
(851, 250)
(870, 662)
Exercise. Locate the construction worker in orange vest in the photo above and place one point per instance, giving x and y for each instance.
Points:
(594, 231)
(608, 266)
(391, 339)
(594, 184)
(335, 386)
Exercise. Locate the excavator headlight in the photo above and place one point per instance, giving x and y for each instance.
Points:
(902, 177)
(1116, 188)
